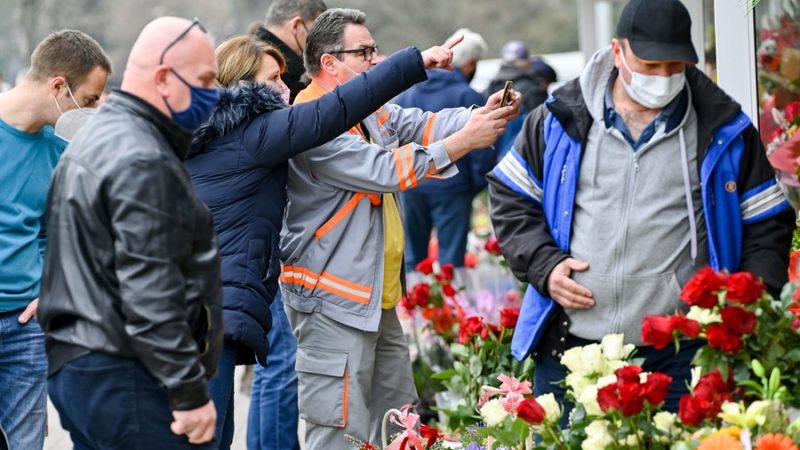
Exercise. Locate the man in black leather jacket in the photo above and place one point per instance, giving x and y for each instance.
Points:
(131, 302)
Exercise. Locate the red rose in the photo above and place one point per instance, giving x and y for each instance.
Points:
(607, 397)
(690, 412)
(432, 434)
(496, 331)
(744, 287)
(492, 246)
(688, 327)
(738, 320)
(469, 328)
(657, 331)
(421, 293)
(721, 338)
(446, 273)
(408, 303)
(426, 266)
(508, 317)
(484, 333)
(448, 290)
(702, 289)
(628, 374)
(791, 111)
(656, 387)
(530, 411)
(630, 398)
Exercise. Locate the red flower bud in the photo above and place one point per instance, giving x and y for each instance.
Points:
(656, 387)
(509, 317)
(492, 246)
(744, 287)
(446, 274)
(425, 266)
(448, 290)
(657, 331)
(738, 320)
(702, 289)
(720, 338)
(531, 411)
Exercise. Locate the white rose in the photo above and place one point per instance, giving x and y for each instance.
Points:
(593, 359)
(493, 413)
(703, 316)
(612, 366)
(606, 380)
(597, 436)
(665, 421)
(551, 407)
(612, 345)
(577, 382)
(573, 360)
(588, 398)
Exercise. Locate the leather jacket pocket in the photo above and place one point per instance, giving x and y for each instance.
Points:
(322, 386)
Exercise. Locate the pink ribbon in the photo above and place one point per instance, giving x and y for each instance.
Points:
(511, 388)
(409, 439)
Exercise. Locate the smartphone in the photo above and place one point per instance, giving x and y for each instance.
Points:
(506, 99)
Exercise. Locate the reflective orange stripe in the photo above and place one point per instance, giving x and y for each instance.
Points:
(326, 282)
(349, 284)
(346, 295)
(383, 117)
(412, 177)
(426, 137)
(340, 215)
(398, 166)
(375, 199)
(432, 173)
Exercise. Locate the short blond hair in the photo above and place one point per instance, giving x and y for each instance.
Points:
(239, 59)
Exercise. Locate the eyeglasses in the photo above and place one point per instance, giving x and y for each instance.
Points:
(365, 52)
(195, 23)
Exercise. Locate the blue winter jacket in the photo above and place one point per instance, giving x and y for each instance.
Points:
(446, 89)
(748, 221)
(238, 166)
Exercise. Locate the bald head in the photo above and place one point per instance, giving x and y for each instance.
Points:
(149, 72)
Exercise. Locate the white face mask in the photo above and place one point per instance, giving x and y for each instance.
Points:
(69, 91)
(653, 91)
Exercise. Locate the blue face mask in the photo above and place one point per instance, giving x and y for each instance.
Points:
(203, 102)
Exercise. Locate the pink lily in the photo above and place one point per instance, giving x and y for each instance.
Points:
(511, 388)
(408, 439)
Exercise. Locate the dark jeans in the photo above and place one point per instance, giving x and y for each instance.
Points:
(549, 371)
(221, 390)
(109, 402)
(448, 213)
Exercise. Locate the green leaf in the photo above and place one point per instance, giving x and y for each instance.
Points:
(444, 375)
(475, 366)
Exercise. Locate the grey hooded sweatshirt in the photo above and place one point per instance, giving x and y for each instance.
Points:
(638, 218)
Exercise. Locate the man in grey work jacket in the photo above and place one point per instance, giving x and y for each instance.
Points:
(342, 246)
(622, 186)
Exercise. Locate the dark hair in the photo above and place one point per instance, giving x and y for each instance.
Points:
(71, 54)
(282, 10)
(327, 34)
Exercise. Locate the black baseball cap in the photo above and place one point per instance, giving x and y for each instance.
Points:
(658, 30)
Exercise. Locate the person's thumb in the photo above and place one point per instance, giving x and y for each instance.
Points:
(576, 265)
(178, 428)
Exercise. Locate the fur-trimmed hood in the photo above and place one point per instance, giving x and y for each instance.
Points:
(237, 105)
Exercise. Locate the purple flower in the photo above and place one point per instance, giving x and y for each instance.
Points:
(474, 446)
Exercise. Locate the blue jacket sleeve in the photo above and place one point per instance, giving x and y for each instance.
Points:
(286, 132)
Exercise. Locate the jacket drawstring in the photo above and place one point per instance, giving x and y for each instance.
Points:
(687, 186)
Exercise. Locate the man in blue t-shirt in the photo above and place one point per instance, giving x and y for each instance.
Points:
(69, 70)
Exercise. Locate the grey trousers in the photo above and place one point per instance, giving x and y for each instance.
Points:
(348, 378)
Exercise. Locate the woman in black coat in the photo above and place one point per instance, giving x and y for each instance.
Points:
(239, 166)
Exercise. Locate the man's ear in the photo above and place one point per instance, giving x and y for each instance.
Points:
(160, 74)
(327, 64)
(295, 24)
(56, 85)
